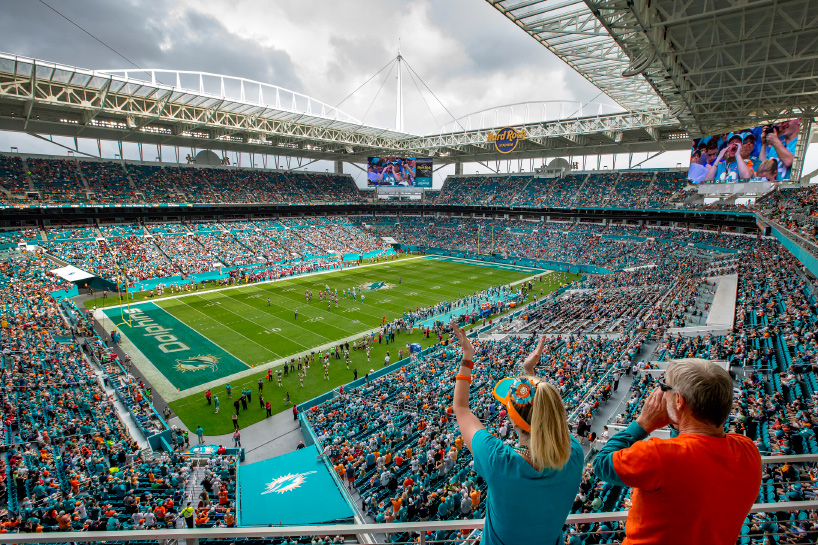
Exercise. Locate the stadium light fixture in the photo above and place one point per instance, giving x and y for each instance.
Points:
(640, 63)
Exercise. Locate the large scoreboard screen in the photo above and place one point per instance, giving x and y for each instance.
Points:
(765, 152)
(400, 171)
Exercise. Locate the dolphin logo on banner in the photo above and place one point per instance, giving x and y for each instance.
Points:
(287, 482)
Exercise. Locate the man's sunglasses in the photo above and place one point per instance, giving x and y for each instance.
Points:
(664, 387)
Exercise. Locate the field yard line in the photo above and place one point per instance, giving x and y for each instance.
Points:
(304, 315)
(235, 377)
(265, 327)
(259, 369)
(227, 326)
(450, 288)
(428, 293)
(467, 261)
(354, 301)
(297, 301)
(280, 281)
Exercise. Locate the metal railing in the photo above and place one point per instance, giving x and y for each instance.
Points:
(193, 535)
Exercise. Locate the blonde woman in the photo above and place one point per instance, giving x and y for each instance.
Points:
(531, 485)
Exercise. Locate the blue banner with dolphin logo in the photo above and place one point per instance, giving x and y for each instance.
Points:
(295, 488)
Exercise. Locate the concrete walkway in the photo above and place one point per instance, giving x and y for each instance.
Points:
(622, 393)
(723, 308)
(271, 437)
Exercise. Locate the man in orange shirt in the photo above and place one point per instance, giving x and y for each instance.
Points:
(697, 486)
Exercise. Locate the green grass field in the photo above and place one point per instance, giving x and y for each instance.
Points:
(233, 333)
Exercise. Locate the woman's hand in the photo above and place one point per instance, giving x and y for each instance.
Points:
(533, 358)
(465, 343)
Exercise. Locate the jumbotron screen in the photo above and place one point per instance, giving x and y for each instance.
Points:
(400, 171)
(766, 152)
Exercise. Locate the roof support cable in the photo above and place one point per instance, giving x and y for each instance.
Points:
(412, 70)
(388, 64)
(392, 65)
(439, 126)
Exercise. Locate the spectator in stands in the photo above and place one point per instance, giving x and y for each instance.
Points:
(768, 169)
(779, 142)
(730, 164)
(531, 486)
(697, 486)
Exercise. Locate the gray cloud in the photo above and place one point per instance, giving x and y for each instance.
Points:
(149, 37)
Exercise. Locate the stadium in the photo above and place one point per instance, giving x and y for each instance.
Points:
(236, 313)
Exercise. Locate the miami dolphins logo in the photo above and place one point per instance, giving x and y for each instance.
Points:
(286, 483)
(372, 286)
(197, 363)
(203, 450)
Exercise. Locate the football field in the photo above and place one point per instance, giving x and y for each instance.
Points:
(187, 343)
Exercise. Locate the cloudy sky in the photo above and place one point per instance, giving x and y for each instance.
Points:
(467, 53)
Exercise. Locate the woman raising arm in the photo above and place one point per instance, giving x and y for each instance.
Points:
(531, 485)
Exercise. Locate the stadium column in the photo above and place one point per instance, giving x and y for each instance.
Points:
(458, 168)
(339, 167)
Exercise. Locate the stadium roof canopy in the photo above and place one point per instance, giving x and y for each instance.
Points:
(210, 111)
(678, 68)
(715, 65)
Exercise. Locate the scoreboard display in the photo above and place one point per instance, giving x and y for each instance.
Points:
(399, 171)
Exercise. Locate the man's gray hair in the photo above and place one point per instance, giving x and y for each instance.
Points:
(705, 387)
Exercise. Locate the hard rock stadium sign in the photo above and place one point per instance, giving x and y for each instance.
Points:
(506, 139)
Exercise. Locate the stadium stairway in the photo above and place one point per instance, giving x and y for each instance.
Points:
(607, 411)
(85, 185)
(124, 414)
(27, 170)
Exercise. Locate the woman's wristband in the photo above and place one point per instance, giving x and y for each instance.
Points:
(467, 378)
(467, 363)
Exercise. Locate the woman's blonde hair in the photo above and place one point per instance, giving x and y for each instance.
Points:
(550, 438)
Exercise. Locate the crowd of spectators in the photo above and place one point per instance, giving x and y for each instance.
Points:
(647, 189)
(107, 181)
(57, 181)
(794, 209)
(571, 243)
(12, 179)
(60, 181)
(160, 250)
(774, 347)
(70, 462)
(396, 442)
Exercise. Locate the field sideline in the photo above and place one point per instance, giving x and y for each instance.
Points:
(188, 343)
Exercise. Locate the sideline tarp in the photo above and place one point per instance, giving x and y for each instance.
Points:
(294, 488)
(72, 274)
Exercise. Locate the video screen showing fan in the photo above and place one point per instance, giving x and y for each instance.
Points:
(766, 152)
(400, 171)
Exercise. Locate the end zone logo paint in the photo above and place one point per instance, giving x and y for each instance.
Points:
(372, 286)
(197, 363)
(506, 139)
